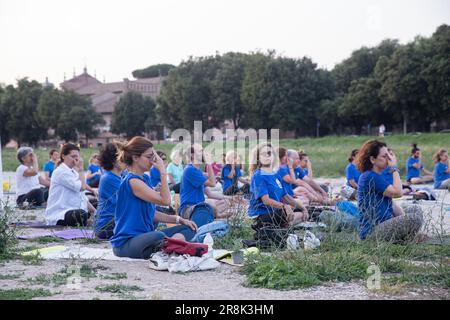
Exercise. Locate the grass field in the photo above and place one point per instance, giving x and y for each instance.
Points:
(328, 154)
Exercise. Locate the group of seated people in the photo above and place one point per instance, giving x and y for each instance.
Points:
(414, 166)
(135, 181)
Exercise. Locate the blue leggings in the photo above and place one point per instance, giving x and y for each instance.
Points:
(143, 245)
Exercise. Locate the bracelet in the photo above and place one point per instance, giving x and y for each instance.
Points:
(395, 169)
(177, 220)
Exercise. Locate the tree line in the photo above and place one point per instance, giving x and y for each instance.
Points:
(30, 113)
(404, 86)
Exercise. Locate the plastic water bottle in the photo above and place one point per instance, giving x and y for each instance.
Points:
(292, 242)
(172, 198)
(209, 241)
(310, 241)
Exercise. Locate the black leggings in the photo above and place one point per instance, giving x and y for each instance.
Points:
(175, 187)
(74, 218)
(107, 231)
(35, 197)
(274, 219)
(233, 189)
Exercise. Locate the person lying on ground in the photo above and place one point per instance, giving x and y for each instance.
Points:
(413, 167)
(135, 235)
(67, 205)
(379, 218)
(441, 170)
(29, 182)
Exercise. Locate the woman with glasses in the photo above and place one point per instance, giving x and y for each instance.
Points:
(270, 205)
(135, 235)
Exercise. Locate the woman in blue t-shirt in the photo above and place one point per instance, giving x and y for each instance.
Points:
(270, 205)
(107, 191)
(135, 216)
(413, 167)
(192, 188)
(379, 217)
(232, 174)
(351, 172)
(442, 170)
(94, 171)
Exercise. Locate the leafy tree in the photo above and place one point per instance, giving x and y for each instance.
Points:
(226, 88)
(131, 113)
(4, 118)
(158, 70)
(21, 103)
(403, 89)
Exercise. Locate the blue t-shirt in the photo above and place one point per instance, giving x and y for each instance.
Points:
(351, 172)
(93, 168)
(440, 174)
(107, 199)
(388, 176)
(133, 215)
(264, 183)
(412, 172)
(175, 171)
(155, 177)
(299, 174)
(192, 187)
(226, 182)
(49, 167)
(282, 172)
(374, 207)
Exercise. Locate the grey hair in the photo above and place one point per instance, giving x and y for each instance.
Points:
(22, 152)
(291, 153)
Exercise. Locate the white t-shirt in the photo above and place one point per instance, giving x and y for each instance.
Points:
(25, 184)
(64, 194)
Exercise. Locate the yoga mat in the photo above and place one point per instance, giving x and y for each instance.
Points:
(34, 224)
(78, 252)
(36, 234)
(68, 234)
(44, 251)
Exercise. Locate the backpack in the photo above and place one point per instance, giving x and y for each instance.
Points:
(182, 247)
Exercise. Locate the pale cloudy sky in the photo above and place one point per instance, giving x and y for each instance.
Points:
(52, 37)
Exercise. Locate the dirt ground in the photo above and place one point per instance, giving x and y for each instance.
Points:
(225, 282)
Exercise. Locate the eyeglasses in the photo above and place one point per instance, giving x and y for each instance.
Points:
(151, 157)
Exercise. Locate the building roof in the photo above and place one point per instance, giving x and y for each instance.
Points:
(80, 81)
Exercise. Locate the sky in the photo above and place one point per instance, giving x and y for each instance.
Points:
(50, 38)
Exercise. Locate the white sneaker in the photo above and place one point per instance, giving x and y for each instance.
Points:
(159, 261)
(310, 241)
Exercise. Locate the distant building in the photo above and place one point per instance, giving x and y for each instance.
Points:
(105, 95)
